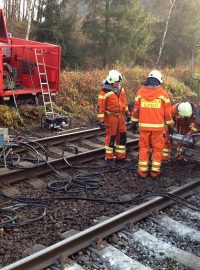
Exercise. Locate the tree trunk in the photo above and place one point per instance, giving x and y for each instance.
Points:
(29, 19)
(105, 57)
(172, 2)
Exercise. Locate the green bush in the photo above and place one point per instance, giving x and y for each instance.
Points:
(178, 90)
(192, 83)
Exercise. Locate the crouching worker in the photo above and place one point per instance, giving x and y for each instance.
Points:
(185, 117)
(112, 116)
(152, 110)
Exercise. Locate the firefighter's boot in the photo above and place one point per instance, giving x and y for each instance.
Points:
(155, 174)
(110, 162)
(142, 174)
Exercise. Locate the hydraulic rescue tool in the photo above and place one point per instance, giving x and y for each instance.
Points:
(190, 145)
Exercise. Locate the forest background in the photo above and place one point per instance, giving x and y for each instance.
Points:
(132, 36)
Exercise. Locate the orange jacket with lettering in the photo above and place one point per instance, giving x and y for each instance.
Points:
(110, 102)
(152, 108)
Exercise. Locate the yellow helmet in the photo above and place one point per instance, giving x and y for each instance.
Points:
(185, 109)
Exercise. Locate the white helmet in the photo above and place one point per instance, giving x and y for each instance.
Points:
(184, 109)
(114, 76)
(156, 74)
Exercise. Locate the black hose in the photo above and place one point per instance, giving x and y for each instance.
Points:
(136, 200)
(13, 159)
(76, 186)
(16, 209)
(7, 216)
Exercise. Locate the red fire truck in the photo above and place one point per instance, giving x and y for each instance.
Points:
(27, 67)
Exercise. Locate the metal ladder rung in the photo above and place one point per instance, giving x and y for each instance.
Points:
(39, 55)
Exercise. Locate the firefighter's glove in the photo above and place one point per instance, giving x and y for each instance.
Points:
(171, 130)
(102, 125)
(128, 118)
(134, 128)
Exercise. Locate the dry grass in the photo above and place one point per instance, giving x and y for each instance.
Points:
(79, 90)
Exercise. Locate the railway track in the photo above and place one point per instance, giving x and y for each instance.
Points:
(79, 146)
(160, 241)
(112, 257)
(68, 215)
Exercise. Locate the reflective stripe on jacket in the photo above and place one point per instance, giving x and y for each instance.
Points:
(109, 103)
(152, 108)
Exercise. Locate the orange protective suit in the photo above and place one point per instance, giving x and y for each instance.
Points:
(112, 109)
(152, 110)
(183, 126)
(167, 145)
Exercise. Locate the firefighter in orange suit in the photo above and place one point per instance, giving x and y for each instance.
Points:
(185, 119)
(152, 110)
(112, 116)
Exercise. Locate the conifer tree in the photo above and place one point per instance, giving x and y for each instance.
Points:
(117, 31)
(57, 28)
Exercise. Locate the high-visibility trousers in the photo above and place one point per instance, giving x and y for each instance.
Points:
(166, 154)
(115, 141)
(150, 140)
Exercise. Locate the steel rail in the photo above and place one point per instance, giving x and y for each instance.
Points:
(69, 137)
(62, 138)
(43, 168)
(85, 238)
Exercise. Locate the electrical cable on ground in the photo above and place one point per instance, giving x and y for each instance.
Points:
(13, 159)
(16, 211)
(78, 184)
(40, 203)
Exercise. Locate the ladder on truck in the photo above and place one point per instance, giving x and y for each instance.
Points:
(42, 73)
